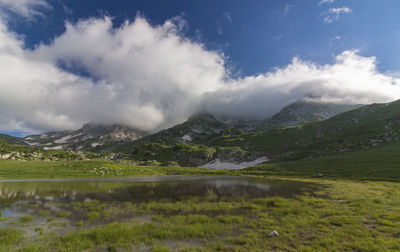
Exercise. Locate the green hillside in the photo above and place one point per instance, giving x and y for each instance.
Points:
(357, 129)
(303, 111)
(12, 140)
(376, 163)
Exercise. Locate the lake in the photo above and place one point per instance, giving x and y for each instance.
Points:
(63, 205)
(145, 189)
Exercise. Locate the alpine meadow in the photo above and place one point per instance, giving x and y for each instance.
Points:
(199, 125)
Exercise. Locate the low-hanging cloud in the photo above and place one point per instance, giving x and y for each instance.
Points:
(144, 76)
(152, 77)
(351, 79)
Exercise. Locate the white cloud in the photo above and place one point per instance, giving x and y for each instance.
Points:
(25, 8)
(350, 79)
(338, 11)
(326, 1)
(335, 13)
(152, 77)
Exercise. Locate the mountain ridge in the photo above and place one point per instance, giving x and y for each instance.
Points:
(87, 138)
(305, 111)
(203, 138)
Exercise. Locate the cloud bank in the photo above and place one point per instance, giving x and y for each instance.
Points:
(153, 77)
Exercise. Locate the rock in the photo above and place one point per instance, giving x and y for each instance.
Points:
(49, 198)
(273, 234)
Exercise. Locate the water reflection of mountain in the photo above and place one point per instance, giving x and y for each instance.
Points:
(10, 191)
(218, 188)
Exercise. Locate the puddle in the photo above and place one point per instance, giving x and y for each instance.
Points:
(6, 213)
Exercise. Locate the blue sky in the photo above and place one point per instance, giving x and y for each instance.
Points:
(256, 35)
(150, 64)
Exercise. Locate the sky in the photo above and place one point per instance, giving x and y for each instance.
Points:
(151, 64)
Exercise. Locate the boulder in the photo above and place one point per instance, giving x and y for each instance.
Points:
(273, 234)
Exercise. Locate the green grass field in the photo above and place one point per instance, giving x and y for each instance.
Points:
(10, 169)
(379, 163)
(356, 209)
(341, 216)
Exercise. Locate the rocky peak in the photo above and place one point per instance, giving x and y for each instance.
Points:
(202, 115)
(94, 129)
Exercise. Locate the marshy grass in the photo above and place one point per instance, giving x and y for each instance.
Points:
(25, 219)
(9, 237)
(341, 216)
(348, 212)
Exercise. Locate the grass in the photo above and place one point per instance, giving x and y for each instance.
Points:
(356, 209)
(379, 163)
(8, 238)
(10, 169)
(342, 216)
(25, 219)
(350, 131)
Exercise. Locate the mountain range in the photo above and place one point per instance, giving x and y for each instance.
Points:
(302, 130)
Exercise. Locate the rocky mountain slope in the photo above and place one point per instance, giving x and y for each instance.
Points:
(303, 111)
(91, 137)
(196, 130)
(186, 144)
(203, 139)
(20, 152)
(360, 128)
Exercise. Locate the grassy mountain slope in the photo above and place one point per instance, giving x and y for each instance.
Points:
(183, 143)
(204, 138)
(12, 140)
(303, 111)
(196, 130)
(377, 163)
(356, 129)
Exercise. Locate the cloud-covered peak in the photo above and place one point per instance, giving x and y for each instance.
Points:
(152, 77)
(351, 79)
(146, 76)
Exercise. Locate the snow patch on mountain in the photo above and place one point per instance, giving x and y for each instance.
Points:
(63, 139)
(187, 138)
(58, 147)
(217, 164)
(31, 144)
(95, 144)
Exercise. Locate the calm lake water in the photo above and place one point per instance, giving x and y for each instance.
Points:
(59, 206)
(172, 188)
